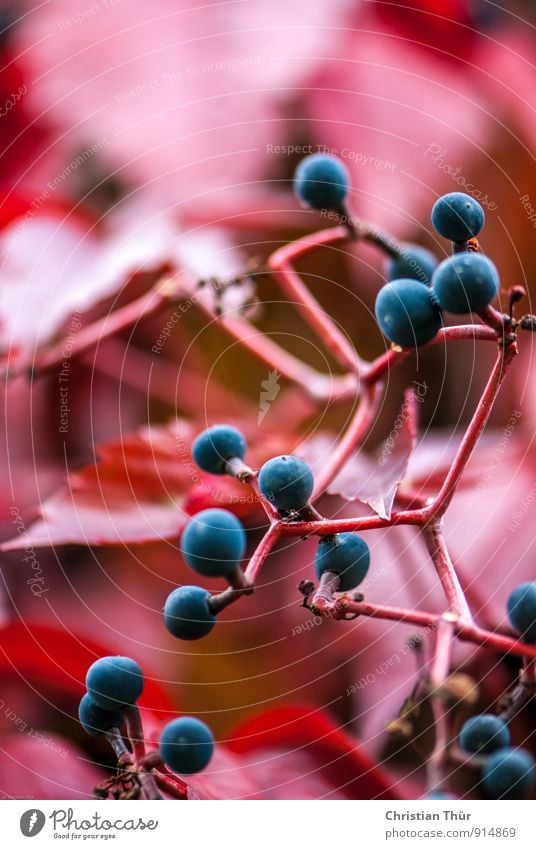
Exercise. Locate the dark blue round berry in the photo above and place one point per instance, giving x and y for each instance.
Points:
(187, 614)
(321, 181)
(114, 681)
(96, 720)
(407, 313)
(213, 447)
(347, 555)
(414, 263)
(508, 773)
(213, 542)
(287, 482)
(458, 217)
(186, 745)
(465, 282)
(484, 734)
(521, 607)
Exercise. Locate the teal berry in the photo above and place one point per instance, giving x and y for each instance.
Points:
(113, 682)
(213, 542)
(508, 773)
(414, 263)
(215, 446)
(407, 313)
(187, 614)
(96, 720)
(457, 217)
(521, 608)
(322, 181)
(347, 555)
(287, 482)
(186, 745)
(484, 734)
(465, 282)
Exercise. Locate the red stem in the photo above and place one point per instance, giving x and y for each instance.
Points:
(262, 551)
(446, 572)
(175, 788)
(473, 432)
(439, 673)
(135, 732)
(353, 437)
(318, 319)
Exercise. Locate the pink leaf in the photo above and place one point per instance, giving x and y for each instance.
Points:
(376, 484)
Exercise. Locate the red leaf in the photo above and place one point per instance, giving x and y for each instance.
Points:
(142, 489)
(293, 737)
(376, 484)
(42, 656)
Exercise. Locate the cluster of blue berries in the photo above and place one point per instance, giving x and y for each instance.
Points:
(409, 313)
(214, 541)
(507, 772)
(112, 684)
(409, 307)
(115, 683)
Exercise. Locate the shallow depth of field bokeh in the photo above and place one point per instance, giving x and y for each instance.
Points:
(140, 137)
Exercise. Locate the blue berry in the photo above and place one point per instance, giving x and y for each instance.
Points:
(213, 447)
(186, 745)
(508, 773)
(465, 282)
(347, 555)
(414, 263)
(457, 217)
(114, 681)
(407, 313)
(187, 615)
(96, 720)
(287, 482)
(321, 181)
(521, 607)
(213, 542)
(484, 734)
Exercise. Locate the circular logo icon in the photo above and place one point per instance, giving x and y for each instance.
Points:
(31, 822)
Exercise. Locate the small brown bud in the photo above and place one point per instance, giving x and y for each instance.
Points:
(459, 689)
(400, 728)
